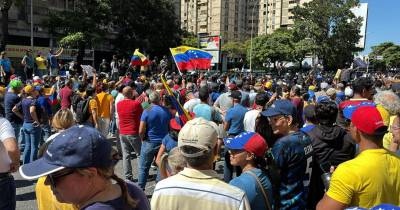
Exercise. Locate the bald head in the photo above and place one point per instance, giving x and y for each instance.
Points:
(127, 92)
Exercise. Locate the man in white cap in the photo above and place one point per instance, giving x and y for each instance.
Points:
(198, 184)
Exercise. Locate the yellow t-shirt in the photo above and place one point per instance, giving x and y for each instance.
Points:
(388, 138)
(370, 179)
(46, 200)
(41, 63)
(104, 99)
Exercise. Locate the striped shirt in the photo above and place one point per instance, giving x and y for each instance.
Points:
(194, 189)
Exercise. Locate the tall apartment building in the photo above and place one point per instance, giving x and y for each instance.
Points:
(236, 19)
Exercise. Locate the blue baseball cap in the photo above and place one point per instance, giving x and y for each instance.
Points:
(349, 110)
(280, 107)
(250, 141)
(77, 147)
(321, 99)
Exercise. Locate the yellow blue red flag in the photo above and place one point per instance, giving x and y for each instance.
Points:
(190, 58)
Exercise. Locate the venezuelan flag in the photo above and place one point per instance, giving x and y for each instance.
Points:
(138, 59)
(183, 114)
(189, 58)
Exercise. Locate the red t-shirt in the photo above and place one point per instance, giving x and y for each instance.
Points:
(65, 95)
(129, 112)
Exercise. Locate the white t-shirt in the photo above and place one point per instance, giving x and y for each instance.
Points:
(119, 98)
(189, 105)
(6, 132)
(249, 120)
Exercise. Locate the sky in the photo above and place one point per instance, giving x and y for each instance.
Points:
(383, 22)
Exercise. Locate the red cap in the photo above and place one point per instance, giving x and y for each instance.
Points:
(174, 124)
(368, 120)
(232, 86)
(13, 77)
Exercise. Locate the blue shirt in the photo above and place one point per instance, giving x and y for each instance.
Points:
(248, 184)
(307, 128)
(25, 106)
(214, 96)
(53, 61)
(207, 112)
(234, 117)
(169, 143)
(157, 122)
(6, 63)
(293, 156)
(45, 104)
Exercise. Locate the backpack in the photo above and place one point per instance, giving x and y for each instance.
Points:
(82, 110)
(75, 99)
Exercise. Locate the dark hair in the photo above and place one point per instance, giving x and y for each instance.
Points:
(362, 83)
(376, 138)
(261, 99)
(326, 112)
(89, 91)
(120, 88)
(81, 87)
(309, 114)
(203, 94)
(378, 83)
(263, 128)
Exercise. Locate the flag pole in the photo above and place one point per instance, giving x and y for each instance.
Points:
(180, 73)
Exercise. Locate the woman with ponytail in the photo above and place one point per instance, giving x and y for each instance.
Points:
(248, 151)
(79, 165)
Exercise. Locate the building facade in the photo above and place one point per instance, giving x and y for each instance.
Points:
(237, 19)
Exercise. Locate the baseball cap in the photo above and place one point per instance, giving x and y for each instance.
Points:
(268, 85)
(28, 89)
(236, 94)
(16, 83)
(232, 86)
(280, 107)
(77, 147)
(12, 77)
(322, 99)
(368, 120)
(175, 124)
(324, 85)
(250, 141)
(311, 87)
(198, 133)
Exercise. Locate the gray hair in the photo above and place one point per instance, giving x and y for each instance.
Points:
(174, 159)
(154, 97)
(388, 100)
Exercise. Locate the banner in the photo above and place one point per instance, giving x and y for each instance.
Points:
(18, 51)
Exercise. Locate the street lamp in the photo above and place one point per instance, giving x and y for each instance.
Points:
(32, 25)
(251, 37)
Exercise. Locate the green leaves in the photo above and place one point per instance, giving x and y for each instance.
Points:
(72, 40)
(332, 29)
(390, 53)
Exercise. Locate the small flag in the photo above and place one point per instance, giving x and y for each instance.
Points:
(138, 59)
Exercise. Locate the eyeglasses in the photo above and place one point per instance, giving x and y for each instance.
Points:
(56, 176)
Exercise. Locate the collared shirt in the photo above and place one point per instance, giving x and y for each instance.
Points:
(191, 189)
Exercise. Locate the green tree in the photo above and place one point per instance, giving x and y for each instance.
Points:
(390, 53)
(189, 39)
(234, 49)
(274, 48)
(150, 25)
(82, 27)
(332, 28)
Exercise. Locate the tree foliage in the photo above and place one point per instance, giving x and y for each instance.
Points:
(151, 25)
(332, 28)
(234, 49)
(189, 39)
(84, 26)
(5, 6)
(390, 53)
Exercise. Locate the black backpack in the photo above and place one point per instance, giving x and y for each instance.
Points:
(82, 110)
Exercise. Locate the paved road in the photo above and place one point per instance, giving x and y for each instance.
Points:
(26, 199)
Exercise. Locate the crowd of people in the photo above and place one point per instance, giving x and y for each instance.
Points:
(293, 140)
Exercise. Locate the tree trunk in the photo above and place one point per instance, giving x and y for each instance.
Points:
(4, 24)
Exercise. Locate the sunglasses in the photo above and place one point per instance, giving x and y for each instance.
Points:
(53, 178)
